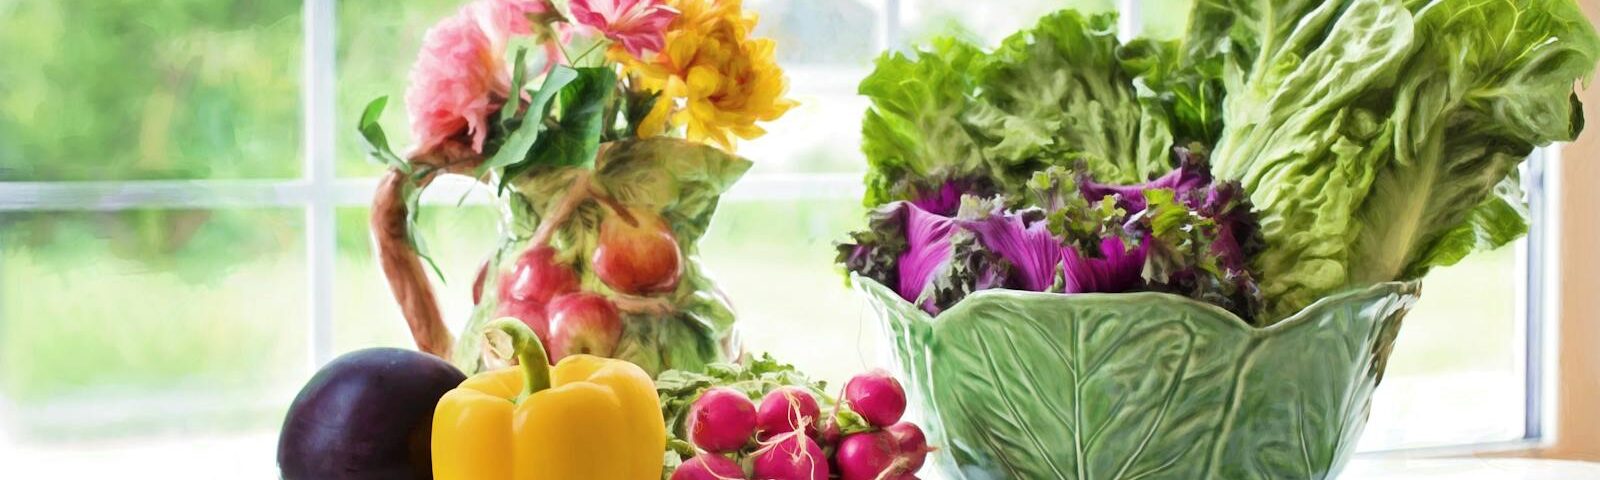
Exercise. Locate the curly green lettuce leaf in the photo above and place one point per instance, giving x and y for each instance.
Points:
(1196, 243)
(1373, 135)
(1184, 96)
(1063, 93)
(912, 135)
(1059, 93)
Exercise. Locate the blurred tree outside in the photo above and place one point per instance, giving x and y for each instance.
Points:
(104, 90)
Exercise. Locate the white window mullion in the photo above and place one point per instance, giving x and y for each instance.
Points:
(1129, 21)
(1532, 296)
(110, 196)
(891, 26)
(318, 90)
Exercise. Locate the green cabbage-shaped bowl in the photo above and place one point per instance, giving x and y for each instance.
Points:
(1034, 386)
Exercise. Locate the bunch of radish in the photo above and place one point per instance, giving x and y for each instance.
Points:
(785, 437)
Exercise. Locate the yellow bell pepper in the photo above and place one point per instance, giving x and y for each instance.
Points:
(586, 418)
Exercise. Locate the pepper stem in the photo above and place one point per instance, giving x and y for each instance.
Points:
(530, 354)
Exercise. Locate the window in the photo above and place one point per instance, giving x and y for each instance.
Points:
(181, 242)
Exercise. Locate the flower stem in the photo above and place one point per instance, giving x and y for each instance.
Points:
(585, 53)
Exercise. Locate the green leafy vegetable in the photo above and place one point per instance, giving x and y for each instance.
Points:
(1378, 138)
(1059, 93)
(1062, 93)
(913, 135)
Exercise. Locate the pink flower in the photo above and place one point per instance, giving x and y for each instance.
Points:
(458, 80)
(639, 25)
(503, 19)
(461, 76)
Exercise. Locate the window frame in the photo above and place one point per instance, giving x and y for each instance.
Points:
(319, 192)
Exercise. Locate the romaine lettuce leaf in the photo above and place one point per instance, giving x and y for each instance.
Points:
(1373, 135)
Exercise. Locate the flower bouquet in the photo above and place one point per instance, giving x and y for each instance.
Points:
(1189, 259)
(609, 163)
(607, 129)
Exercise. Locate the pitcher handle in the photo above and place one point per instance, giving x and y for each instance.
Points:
(401, 265)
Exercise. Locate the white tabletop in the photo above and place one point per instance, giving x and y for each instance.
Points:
(1469, 469)
(251, 457)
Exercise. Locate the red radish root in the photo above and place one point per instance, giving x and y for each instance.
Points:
(721, 420)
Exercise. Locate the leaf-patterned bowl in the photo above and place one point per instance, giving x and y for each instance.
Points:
(1024, 385)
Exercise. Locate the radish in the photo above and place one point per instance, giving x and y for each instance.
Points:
(709, 466)
(877, 397)
(721, 420)
(831, 433)
(791, 456)
(911, 443)
(876, 456)
(785, 410)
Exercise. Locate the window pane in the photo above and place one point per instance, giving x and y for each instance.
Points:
(149, 90)
(988, 24)
(459, 238)
(1461, 341)
(378, 41)
(1165, 18)
(826, 47)
(775, 261)
(122, 331)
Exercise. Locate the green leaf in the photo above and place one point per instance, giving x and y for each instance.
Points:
(574, 139)
(1372, 135)
(635, 106)
(519, 70)
(913, 135)
(1139, 385)
(413, 219)
(1059, 93)
(373, 138)
(522, 139)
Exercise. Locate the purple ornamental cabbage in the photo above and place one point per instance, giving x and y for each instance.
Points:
(1191, 174)
(1117, 269)
(1180, 233)
(927, 249)
(1021, 238)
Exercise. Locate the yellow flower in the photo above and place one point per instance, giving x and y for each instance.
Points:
(713, 78)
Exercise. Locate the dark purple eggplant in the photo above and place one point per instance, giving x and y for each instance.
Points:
(367, 415)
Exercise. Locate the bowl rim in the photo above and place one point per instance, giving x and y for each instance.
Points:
(1411, 288)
